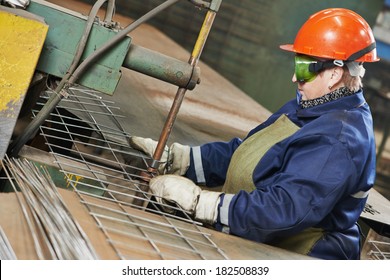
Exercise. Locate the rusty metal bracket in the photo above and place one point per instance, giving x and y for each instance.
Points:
(212, 5)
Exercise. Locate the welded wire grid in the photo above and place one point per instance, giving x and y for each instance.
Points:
(379, 250)
(91, 149)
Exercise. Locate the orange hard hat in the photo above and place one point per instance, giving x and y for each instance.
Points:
(335, 33)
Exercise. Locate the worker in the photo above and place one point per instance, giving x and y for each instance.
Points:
(300, 180)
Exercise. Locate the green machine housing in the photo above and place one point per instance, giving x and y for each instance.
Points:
(66, 27)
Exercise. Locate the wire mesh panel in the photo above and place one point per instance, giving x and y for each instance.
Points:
(91, 150)
(376, 247)
(380, 250)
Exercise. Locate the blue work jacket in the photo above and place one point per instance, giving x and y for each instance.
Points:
(318, 177)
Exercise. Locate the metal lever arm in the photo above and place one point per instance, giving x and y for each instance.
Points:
(193, 61)
(170, 120)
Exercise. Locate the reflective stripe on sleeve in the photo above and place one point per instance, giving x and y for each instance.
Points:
(360, 194)
(224, 209)
(200, 178)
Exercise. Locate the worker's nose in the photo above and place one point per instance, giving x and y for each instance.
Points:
(294, 78)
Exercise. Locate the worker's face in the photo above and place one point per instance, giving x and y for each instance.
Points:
(318, 87)
(312, 85)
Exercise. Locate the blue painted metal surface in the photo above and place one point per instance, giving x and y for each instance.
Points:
(383, 50)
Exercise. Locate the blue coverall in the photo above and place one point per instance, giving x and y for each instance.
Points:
(319, 177)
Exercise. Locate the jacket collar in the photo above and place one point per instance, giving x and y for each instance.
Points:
(342, 104)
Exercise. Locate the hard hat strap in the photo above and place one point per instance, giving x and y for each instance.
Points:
(321, 65)
(362, 52)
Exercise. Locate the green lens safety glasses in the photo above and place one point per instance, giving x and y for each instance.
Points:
(302, 72)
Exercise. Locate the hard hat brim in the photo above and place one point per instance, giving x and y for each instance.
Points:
(287, 47)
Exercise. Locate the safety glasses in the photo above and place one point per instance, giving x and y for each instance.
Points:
(302, 68)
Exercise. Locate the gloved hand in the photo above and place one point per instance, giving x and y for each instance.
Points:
(174, 160)
(191, 198)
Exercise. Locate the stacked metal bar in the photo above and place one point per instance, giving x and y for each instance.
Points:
(55, 232)
(6, 250)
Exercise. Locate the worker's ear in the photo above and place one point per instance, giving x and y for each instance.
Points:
(337, 74)
(335, 77)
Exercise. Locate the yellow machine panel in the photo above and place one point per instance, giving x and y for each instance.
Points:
(21, 42)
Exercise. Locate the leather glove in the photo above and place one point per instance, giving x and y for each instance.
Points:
(200, 203)
(174, 160)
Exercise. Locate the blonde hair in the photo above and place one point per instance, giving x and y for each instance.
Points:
(353, 83)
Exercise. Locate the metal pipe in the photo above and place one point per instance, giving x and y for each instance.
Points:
(162, 67)
(84, 38)
(110, 11)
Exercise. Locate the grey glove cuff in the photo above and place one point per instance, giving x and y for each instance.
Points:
(207, 208)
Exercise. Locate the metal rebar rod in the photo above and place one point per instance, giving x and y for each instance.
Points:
(174, 110)
(195, 55)
(63, 236)
(6, 250)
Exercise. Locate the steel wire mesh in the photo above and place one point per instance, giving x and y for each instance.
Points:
(91, 149)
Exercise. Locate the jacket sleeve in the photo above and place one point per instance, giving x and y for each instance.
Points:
(209, 162)
(296, 188)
